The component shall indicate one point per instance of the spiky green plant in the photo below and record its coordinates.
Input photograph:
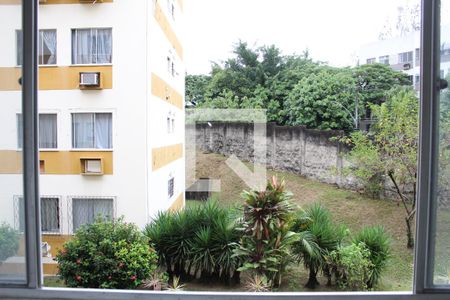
(265, 246)
(318, 236)
(377, 242)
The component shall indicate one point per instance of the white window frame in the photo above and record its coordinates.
(405, 55)
(384, 59)
(73, 30)
(40, 47)
(371, 60)
(171, 178)
(18, 198)
(70, 207)
(72, 148)
(40, 113)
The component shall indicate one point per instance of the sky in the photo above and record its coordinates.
(331, 30)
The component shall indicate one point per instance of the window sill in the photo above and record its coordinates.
(91, 150)
(91, 65)
(49, 150)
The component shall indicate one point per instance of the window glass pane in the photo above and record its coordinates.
(442, 197)
(83, 130)
(103, 131)
(12, 239)
(47, 131)
(91, 46)
(86, 211)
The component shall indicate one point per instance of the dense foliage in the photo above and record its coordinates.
(352, 266)
(318, 237)
(265, 245)
(107, 254)
(388, 152)
(9, 242)
(377, 242)
(293, 89)
(197, 242)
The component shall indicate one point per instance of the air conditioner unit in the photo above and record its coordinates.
(406, 66)
(90, 79)
(91, 166)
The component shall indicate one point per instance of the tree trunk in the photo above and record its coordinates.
(312, 281)
(410, 243)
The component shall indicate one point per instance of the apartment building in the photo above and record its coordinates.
(111, 122)
(403, 54)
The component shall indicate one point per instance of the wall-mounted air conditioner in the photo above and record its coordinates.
(90, 80)
(91, 166)
(406, 66)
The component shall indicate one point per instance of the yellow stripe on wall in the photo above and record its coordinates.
(164, 91)
(168, 31)
(165, 155)
(55, 162)
(54, 78)
(17, 2)
(178, 204)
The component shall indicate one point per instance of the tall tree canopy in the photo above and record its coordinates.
(293, 89)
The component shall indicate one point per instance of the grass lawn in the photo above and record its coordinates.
(347, 207)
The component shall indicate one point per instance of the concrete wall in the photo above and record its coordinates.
(295, 149)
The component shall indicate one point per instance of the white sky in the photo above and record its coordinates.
(332, 30)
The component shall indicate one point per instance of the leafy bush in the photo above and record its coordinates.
(378, 243)
(107, 254)
(265, 246)
(9, 242)
(197, 242)
(318, 237)
(352, 266)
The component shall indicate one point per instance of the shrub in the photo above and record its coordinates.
(107, 254)
(197, 242)
(378, 243)
(9, 242)
(352, 266)
(265, 246)
(318, 236)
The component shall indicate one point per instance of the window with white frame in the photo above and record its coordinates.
(50, 214)
(87, 210)
(170, 122)
(171, 186)
(46, 47)
(92, 46)
(48, 135)
(384, 59)
(370, 61)
(92, 130)
(405, 57)
(171, 69)
(171, 8)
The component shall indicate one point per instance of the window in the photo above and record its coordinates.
(384, 59)
(46, 47)
(171, 64)
(417, 54)
(171, 8)
(371, 61)
(171, 123)
(171, 185)
(50, 216)
(48, 136)
(405, 57)
(92, 46)
(86, 210)
(92, 130)
(417, 80)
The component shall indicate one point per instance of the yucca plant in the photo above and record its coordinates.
(265, 246)
(257, 283)
(318, 236)
(377, 242)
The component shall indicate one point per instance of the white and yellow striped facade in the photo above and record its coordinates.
(140, 91)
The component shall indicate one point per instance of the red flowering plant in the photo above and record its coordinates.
(107, 254)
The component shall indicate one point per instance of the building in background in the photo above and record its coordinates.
(111, 105)
(403, 54)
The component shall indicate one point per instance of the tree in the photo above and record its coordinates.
(323, 100)
(373, 81)
(388, 152)
(196, 87)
